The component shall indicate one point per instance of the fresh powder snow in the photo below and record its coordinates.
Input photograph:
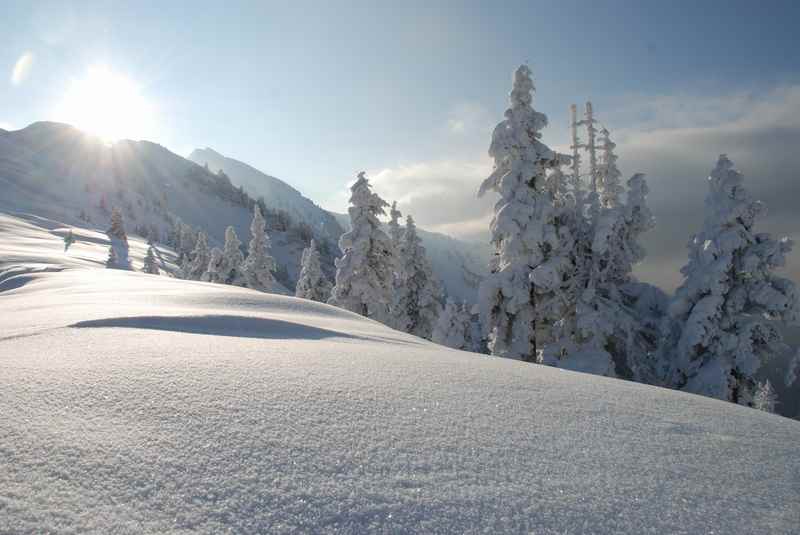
(134, 403)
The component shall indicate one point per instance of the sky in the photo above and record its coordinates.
(313, 92)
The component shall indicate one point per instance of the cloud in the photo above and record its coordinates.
(22, 68)
(759, 133)
(469, 119)
(440, 195)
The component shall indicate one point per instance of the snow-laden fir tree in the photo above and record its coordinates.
(721, 330)
(230, 269)
(187, 239)
(150, 264)
(765, 398)
(214, 269)
(520, 299)
(608, 175)
(395, 230)
(312, 284)
(453, 327)
(364, 272)
(119, 242)
(197, 263)
(117, 229)
(258, 266)
(415, 305)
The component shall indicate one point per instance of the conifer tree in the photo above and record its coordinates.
(150, 265)
(765, 397)
(415, 306)
(214, 268)
(312, 284)
(608, 175)
(395, 231)
(451, 329)
(117, 229)
(232, 259)
(364, 272)
(520, 298)
(258, 266)
(198, 263)
(720, 330)
(119, 242)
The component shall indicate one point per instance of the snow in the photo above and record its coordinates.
(140, 403)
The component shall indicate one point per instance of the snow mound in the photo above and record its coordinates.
(136, 403)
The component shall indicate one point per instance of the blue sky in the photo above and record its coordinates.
(313, 92)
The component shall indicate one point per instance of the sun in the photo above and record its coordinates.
(108, 105)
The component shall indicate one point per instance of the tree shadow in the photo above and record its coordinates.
(220, 325)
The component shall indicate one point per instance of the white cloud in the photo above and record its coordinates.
(22, 68)
(440, 195)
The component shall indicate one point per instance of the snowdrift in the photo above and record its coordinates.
(135, 403)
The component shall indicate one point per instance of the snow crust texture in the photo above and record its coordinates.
(134, 403)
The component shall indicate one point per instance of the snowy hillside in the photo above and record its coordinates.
(277, 194)
(137, 403)
(56, 171)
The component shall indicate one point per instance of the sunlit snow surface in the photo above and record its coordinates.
(131, 403)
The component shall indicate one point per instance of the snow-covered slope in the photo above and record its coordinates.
(134, 403)
(277, 194)
(56, 171)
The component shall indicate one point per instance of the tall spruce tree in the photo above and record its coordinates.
(150, 263)
(258, 266)
(415, 305)
(720, 332)
(520, 298)
(364, 272)
(312, 284)
(230, 269)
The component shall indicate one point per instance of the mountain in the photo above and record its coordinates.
(57, 171)
(460, 265)
(277, 194)
(135, 403)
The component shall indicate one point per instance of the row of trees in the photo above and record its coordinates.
(387, 278)
(561, 289)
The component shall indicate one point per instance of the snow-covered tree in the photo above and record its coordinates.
(258, 266)
(117, 229)
(417, 293)
(199, 257)
(720, 326)
(312, 284)
(765, 397)
(453, 327)
(150, 264)
(364, 272)
(608, 175)
(119, 242)
(230, 269)
(520, 299)
(214, 269)
(395, 230)
(187, 239)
